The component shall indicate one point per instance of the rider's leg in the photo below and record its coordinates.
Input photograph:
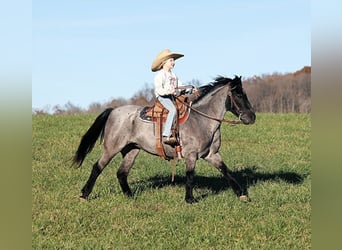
(168, 104)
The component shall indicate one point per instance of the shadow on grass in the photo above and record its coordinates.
(246, 177)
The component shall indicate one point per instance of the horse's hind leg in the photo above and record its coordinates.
(216, 160)
(96, 171)
(129, 153)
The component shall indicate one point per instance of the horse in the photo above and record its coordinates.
(122, 130)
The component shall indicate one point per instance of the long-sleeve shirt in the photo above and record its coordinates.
(165, 83)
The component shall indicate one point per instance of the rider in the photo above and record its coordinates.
(166, 87)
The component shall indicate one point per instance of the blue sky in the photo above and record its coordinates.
(92, 51)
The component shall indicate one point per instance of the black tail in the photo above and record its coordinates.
(89, 138)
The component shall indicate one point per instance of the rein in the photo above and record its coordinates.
(229, 121)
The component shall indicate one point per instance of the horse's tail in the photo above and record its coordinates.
(89, 138)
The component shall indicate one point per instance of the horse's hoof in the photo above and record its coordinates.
(191, 200)
(129, 194)
(82, 199)
(244, 198)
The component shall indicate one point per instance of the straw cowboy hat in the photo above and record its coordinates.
(162, 57)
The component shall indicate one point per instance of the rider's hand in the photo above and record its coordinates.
(195, 92)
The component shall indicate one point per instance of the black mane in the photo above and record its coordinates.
(218, 82)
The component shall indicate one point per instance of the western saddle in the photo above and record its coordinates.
(158, 114)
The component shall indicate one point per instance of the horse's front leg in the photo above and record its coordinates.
(217, 161)
(190, 174)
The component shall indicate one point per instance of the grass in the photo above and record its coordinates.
(271, 157)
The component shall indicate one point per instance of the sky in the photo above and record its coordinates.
(87, 51)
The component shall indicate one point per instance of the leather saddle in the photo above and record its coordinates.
(157, 111)
(157, 114)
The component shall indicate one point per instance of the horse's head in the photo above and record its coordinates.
(237, 102)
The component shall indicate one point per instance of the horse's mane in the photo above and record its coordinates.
(218, 82)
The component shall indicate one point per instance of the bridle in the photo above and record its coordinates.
(232, 102)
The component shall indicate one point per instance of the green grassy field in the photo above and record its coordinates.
(272, 157)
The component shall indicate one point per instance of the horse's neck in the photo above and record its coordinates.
(213, 104)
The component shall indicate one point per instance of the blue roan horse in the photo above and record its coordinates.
(124, 131)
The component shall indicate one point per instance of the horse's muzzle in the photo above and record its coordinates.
(247, 118)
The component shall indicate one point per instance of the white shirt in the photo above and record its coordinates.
(165, 83)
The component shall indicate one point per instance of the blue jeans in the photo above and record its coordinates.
(168, 104)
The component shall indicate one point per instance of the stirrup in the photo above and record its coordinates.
(169, 140)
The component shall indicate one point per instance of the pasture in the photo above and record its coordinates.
(272, 158)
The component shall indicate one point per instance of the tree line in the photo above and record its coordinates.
(275, 93)
(281, 93)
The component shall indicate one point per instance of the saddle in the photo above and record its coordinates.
(157, 114)
(157, 111)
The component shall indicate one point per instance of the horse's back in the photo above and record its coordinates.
(124, 115)
(127, 109)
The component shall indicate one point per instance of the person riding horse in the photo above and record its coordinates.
(123, 131)
(167, 85)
